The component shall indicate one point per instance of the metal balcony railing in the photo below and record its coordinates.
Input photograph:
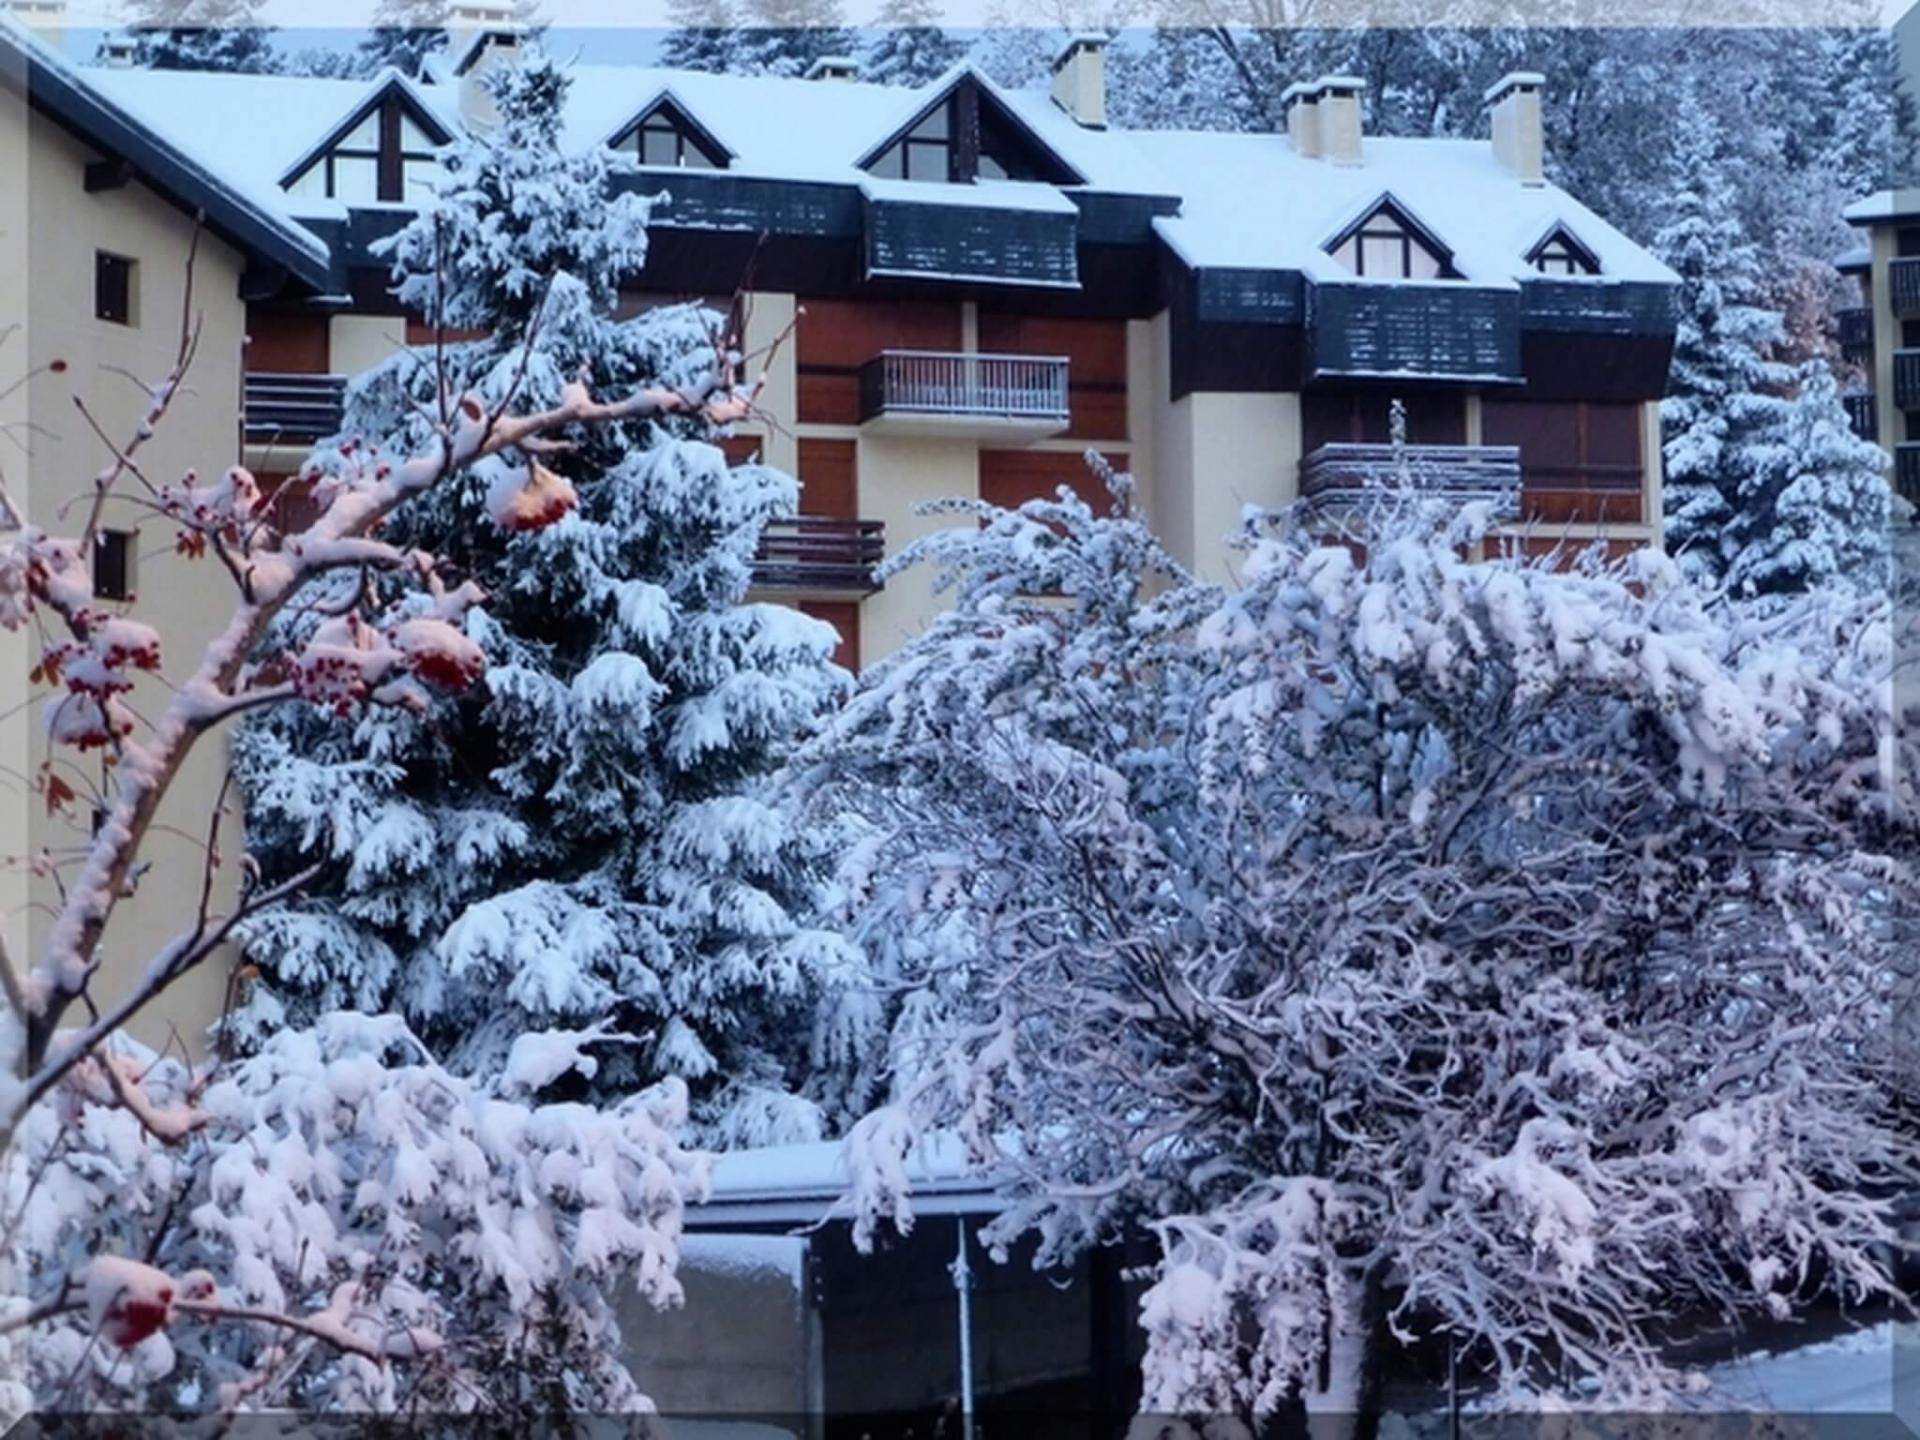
(1340, 469)
(1903, 286)
(952, 383)
(819, 552)
(293, 407)
(1856, 332)
(1906, 379)
(1863, 413)
(1906, 472)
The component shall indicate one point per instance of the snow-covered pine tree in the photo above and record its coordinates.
(703, 36)
(910, 47)
(588, 842)
(404, 33)
(785, 37)
(1722, 391)
(1814, 507)
(1417, 946)
(200, 35)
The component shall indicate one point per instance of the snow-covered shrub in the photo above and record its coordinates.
(579, 836)
(1499, 947)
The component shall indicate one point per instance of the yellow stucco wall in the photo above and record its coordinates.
(56, 229)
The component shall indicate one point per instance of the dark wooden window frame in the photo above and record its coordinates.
(113, 577)
(965, 146)
(1404, 228)
(389, 159)
(113, 282)
(1561, 253)
(668, 118)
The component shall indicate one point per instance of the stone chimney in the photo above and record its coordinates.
(1080, 79)
(117, 51)
(480, 37)
(1301, 103)
(843, 68)
(1519, 141)
(1339, 117)
(47, 19)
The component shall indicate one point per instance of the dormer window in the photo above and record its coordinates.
(1562, 254)
(1389, 244)
(965, 135)
(668, 136)
(924, 153)
(386, 154)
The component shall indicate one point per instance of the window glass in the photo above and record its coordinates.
(311, 181)
(112, 288)
(356, 179)
(659, 144)
(364, 136)
(419, 178)
(928, 162)
(113, 565)
(412, 137)
(1383, 254)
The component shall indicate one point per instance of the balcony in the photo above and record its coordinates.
(820, 555)
(1903, 286)
(292, 407)
(1906, 379)
(1856, 333)
(1863, 413)
(931, 392)
(1906, 472)
(1338, 472)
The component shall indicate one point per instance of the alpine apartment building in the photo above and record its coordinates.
(985, 284)
(1881, 335)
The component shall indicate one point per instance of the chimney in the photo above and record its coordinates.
(1339, 117)
(1518, 139)
(47, 19)
(480, 38)
(1302, 106)
(843, 68)
(1080, 79)
(117, 51)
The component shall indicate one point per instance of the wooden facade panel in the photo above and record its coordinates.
(834, 338)
(419, 332)
(288, 343)
(1570, 547)
(1096, 352)
(829, 479)
(1012, 477)
(1579, 460)
(739, 449)
(844, 616)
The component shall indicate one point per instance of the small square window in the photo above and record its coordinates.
(113, 288)
(113, 565)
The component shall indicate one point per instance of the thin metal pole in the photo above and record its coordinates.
(963, 1283)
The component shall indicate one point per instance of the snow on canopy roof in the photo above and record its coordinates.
(982, 194)
(1883, 205)
(1457, 189)
(804, 1183)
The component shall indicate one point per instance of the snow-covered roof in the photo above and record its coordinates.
(1244, 200)
(1457, 189)
(189, 168)
(803, 1184)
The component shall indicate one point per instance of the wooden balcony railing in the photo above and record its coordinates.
(820, 553)
(1903, 286)
(293, 407)
(952, 383)
(1863, 413)
(1856, 332)
(1337, 470)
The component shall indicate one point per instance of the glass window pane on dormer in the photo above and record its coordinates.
(365, 135)
(659, 144)
(412, 137)
(356, 179)
(310, 182)
(934, 127)
(419, 179)
(928, 162)
(1383, 255)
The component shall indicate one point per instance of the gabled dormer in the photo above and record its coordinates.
(384, 151)
(666, 134)
(1388, 243)
(1560, 252)
(967, 132)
